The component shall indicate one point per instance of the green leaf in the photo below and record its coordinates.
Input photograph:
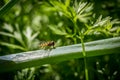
(8, 27)
(101, 22)
(60, 7)
(57, 31)
(13, 46)
(67, 3)
(7, 34)
(30, 38)
(18, 37)
(82, 11)
(28, 33)
(59, 54)
(34, 36)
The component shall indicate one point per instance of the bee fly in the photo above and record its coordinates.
(47, 44)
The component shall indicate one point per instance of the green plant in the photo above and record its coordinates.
(79, 14)
(75, 14)
(25, 74)
(64, 21)
(103, 26)
(21, 40)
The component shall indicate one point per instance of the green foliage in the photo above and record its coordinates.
(25, 74)
(7, 7)
(65, 22)
(25, 40)
(104, 26)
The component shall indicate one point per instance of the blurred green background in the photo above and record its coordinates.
(30, 21)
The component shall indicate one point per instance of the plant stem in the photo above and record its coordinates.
(83, 49)
(84, 54)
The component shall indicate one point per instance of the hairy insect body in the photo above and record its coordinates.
(47, 44)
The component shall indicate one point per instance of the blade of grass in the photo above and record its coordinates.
(40, 57)
(7, 7)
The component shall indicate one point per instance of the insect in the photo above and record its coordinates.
(47, 44)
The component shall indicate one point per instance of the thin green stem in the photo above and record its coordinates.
(85, 59)
(82, 42)
(84, 53)
(83, 46)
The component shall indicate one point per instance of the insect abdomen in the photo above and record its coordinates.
(50, 43)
